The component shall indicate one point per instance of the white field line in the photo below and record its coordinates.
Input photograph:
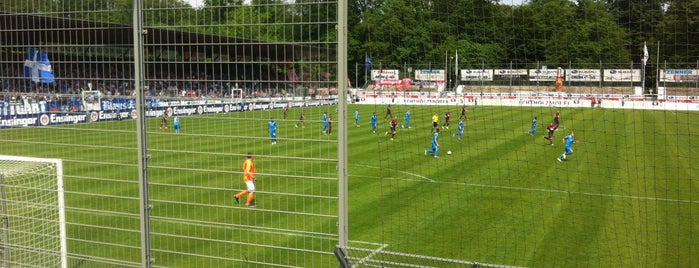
(423, 178)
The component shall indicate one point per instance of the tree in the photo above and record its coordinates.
(681, 35)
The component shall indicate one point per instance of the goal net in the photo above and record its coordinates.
(33, 216)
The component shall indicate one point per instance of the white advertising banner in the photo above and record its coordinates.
(679, 75)
(583, 75)
(385, 75)
(543, 74)
(622, 75)
(510, 72)
(476, 75)
(430, 75)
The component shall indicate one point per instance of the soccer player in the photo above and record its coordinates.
(394, 124)
(550, 129)
(163, 121)
(176, 124)
(435, 144)
(557, 120)
(389, 114)
(569, 140)
(356, 118)
(286, 112)
(460, 131)
(374, 123)
(407, 120)
(272, 126)
(325, 122)
(463, 112)
(533, 129)
(435, 122)
(249, 172)
(329, 130)
(447, 119)
(302, 119)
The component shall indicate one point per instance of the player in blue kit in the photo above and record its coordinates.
(356, 118)
(374, 124)
(460, 131)
(176, 124)
(407, 120)
(272, 125)
(435, 144)
(325, 123)
(569, 140)
(533, 129)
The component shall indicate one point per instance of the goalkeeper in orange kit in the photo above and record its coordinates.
(249, 179)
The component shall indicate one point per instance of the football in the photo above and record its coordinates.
(448, 152)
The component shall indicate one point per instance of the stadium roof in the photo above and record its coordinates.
(23, 30)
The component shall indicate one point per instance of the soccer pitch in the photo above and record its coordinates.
(627, 197)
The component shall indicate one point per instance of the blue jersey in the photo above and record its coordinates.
(534, 124)
(325, 119)
(569, 140)
(407, 116)
(435, 136)
(461, 127)
(176, 121)
(272, 128)
(373, 120)
(356, 117)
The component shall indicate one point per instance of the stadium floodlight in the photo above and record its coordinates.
(33, 212)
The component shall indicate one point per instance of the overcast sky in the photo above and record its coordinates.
(198, 3)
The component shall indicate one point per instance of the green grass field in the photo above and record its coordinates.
(627, 197)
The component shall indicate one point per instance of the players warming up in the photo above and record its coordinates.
(272, 126)
(550, 129)
(249, 177)
(407, 120)
(435, 122)
(176, 124)
(302, 119)
(569, 140)
(447, 119)
(460, 131)
(356, 118)
(374, 122)
(435, 144)
(163, 121)
(394, 124)
(533, 129)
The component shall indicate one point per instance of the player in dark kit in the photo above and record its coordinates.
(463, 113)
(550, 129)
(389, 113)
(447, 119)
(394, 124)
(163, 121)
(556, 120)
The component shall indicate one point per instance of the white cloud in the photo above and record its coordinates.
(195, 3)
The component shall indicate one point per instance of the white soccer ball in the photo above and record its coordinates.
(448, 152)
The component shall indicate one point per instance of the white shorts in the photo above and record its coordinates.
(251, 186)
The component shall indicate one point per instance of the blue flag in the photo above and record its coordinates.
(367, 62)
(37, 67)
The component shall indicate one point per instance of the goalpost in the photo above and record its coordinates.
(33, 213)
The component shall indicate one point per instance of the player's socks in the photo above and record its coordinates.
(251, 196)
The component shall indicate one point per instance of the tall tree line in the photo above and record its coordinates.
(398, 32)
